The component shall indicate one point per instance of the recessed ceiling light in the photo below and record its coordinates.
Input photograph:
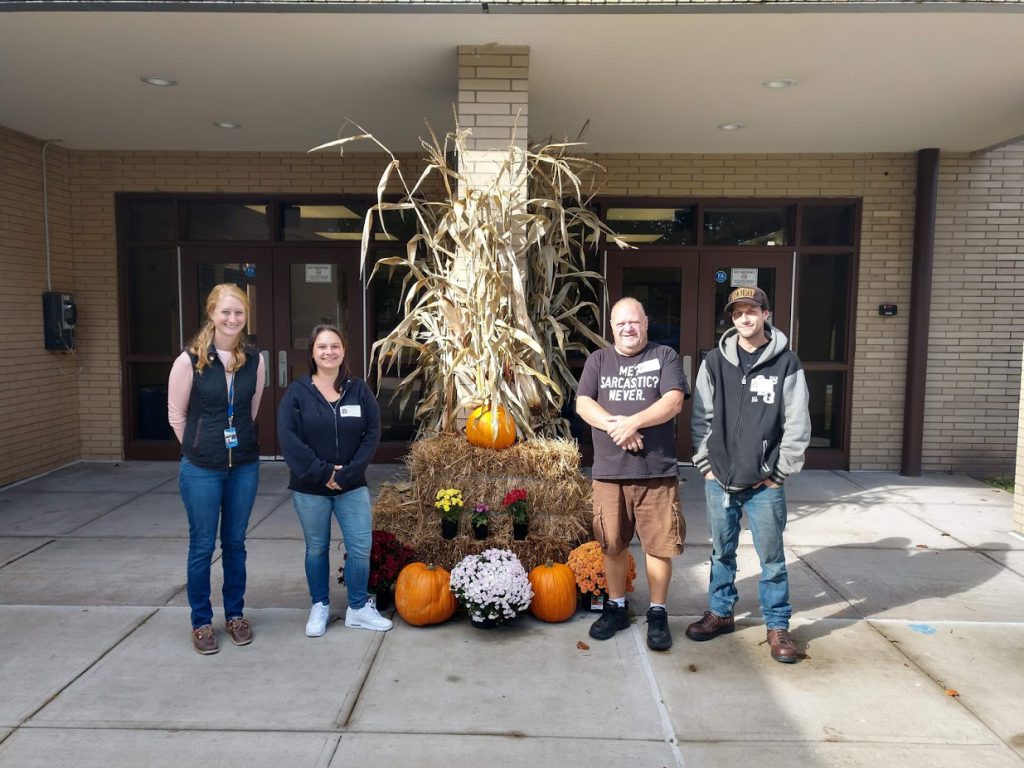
(225, 124)
(160, 82)
(731, 126)
(780, 82)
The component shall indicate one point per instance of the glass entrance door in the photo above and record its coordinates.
(290, 292)
(666, 284)
(720, 273)
(313, 286)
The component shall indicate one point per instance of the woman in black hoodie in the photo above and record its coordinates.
(329, 427)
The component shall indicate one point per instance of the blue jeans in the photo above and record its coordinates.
(352, 509)
(766, 513)
(217, 498)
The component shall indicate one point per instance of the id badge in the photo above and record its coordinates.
(230, 437)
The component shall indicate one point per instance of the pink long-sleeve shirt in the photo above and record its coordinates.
(179, 389)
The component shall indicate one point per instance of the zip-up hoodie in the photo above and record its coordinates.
(749, 427)
(315, 435)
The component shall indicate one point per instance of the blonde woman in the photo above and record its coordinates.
(213, 395)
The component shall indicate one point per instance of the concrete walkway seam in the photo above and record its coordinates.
(666, 722)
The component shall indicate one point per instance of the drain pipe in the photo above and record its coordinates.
(46, 214)
(920, 310)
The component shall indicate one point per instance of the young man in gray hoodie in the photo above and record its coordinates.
(751, 426)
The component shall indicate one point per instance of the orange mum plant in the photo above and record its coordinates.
(587, 564)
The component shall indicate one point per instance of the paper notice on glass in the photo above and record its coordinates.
(744, 277)
(319, 273)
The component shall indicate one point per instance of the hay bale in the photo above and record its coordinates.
(548, 470)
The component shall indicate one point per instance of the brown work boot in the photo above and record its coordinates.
(783, 648)
(240, 631)
(204, 640)
(712, 625)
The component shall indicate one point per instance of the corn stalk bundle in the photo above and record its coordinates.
(495, 291)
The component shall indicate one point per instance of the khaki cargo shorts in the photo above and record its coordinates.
(649, 508)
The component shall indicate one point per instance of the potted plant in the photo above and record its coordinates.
(587, 564)
(492, 586)
(479, 519)
(388, 556)
(515, 504)
(449, 502)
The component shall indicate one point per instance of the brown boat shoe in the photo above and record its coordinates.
(204, 640)
(240, 631)
(782, 646)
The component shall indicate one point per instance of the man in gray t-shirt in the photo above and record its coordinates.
(630, 394)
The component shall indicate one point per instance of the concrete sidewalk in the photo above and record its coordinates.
(902, 589)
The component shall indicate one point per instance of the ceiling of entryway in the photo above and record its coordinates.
(866, 82)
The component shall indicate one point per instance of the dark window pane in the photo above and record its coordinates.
(396, 422)
(148, 382)
(826, 395)
(150, 221)
(153, 322)
(822, 313)
(226, 221)
(827, 225)
(397, 225)
(746, 226)
(321, 223)
(653, 226)
(319, 294)
(660, 291)
(765, 281)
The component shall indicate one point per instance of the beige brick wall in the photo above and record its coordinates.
(39, 424)
(885, 182)
(974, 365)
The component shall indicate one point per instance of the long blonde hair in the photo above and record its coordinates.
(200, 343)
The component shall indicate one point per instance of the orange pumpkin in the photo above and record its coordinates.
(480, 432)
(422, 595)
(554, 592)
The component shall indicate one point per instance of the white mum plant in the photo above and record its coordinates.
(492, 585)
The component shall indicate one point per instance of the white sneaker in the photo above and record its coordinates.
(318, 616)
(366, 618)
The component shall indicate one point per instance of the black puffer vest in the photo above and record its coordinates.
(203, 443)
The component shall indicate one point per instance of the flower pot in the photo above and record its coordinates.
(480, 531)
(481, 623)
(592, 602)
(519, 531)
(449, 528)
(382, 599)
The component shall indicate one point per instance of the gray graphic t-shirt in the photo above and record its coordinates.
(627, 385)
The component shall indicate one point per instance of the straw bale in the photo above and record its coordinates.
(558, 498)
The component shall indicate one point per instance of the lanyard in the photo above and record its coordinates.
(231, 400)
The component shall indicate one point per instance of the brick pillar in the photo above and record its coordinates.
(493, 93)
(1018, 483)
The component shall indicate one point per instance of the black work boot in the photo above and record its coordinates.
(611, 620)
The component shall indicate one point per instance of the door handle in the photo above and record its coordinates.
(688, 371)
(282, 368)
(265, 354)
